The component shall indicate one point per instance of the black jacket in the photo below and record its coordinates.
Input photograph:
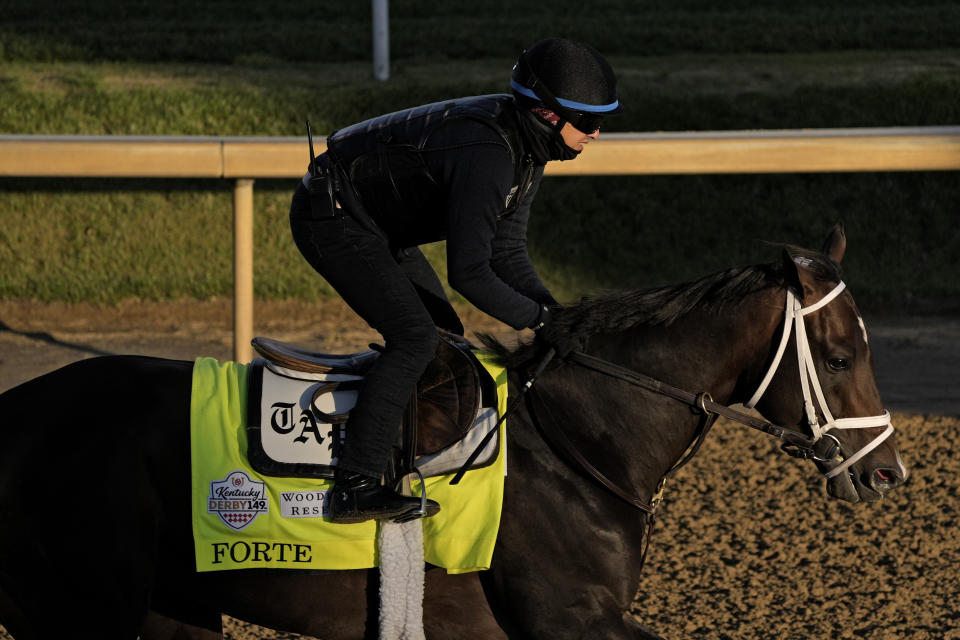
(457, 170)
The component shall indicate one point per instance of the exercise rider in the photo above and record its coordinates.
(466, 171)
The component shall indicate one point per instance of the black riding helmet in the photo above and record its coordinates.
(570, 78)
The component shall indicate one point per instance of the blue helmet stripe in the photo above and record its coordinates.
(570, 104)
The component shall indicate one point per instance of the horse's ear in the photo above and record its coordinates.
(791, 273)
(836, 243)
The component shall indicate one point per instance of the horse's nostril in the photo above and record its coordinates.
(882, 480)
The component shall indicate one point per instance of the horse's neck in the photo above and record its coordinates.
(723, 352)
(699, 352)
(702, 351)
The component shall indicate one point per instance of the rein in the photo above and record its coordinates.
(794, 443)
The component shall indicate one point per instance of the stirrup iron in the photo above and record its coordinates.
(422, 511)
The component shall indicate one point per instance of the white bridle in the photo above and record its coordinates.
(808, 374)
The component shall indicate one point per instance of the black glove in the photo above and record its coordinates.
(550, 334)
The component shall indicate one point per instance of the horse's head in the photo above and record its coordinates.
(822, 378)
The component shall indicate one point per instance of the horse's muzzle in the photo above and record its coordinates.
(869, 486)
(883, 480)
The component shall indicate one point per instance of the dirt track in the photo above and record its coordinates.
(747, 546)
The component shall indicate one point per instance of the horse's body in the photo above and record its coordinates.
(83, 553)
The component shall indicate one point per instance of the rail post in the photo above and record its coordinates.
(242, 269)
(381, 39)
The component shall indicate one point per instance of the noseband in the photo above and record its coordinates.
(794, 315)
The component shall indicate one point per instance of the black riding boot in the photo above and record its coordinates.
(357, 498)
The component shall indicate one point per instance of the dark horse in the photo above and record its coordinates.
(95, 526)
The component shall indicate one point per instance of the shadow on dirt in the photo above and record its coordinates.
(43, 336)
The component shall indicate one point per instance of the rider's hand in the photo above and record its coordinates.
(549, 334)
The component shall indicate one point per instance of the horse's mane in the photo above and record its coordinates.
(661, 306)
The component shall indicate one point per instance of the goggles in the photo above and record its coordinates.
(586, 123)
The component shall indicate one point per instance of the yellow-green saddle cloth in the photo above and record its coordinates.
(243, 520)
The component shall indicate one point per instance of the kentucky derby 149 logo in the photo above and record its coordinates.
(237, 499)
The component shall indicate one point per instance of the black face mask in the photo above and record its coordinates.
(545, 140)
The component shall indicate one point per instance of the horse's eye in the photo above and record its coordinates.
(838, 364)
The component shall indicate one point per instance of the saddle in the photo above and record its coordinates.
(299, 407)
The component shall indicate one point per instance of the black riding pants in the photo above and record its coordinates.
(395, 292)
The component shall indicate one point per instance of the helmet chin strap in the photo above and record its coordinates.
(809, 379)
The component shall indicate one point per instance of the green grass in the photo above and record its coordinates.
(251, 69)
(114, 240)
(107, 240)
(660, 94)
